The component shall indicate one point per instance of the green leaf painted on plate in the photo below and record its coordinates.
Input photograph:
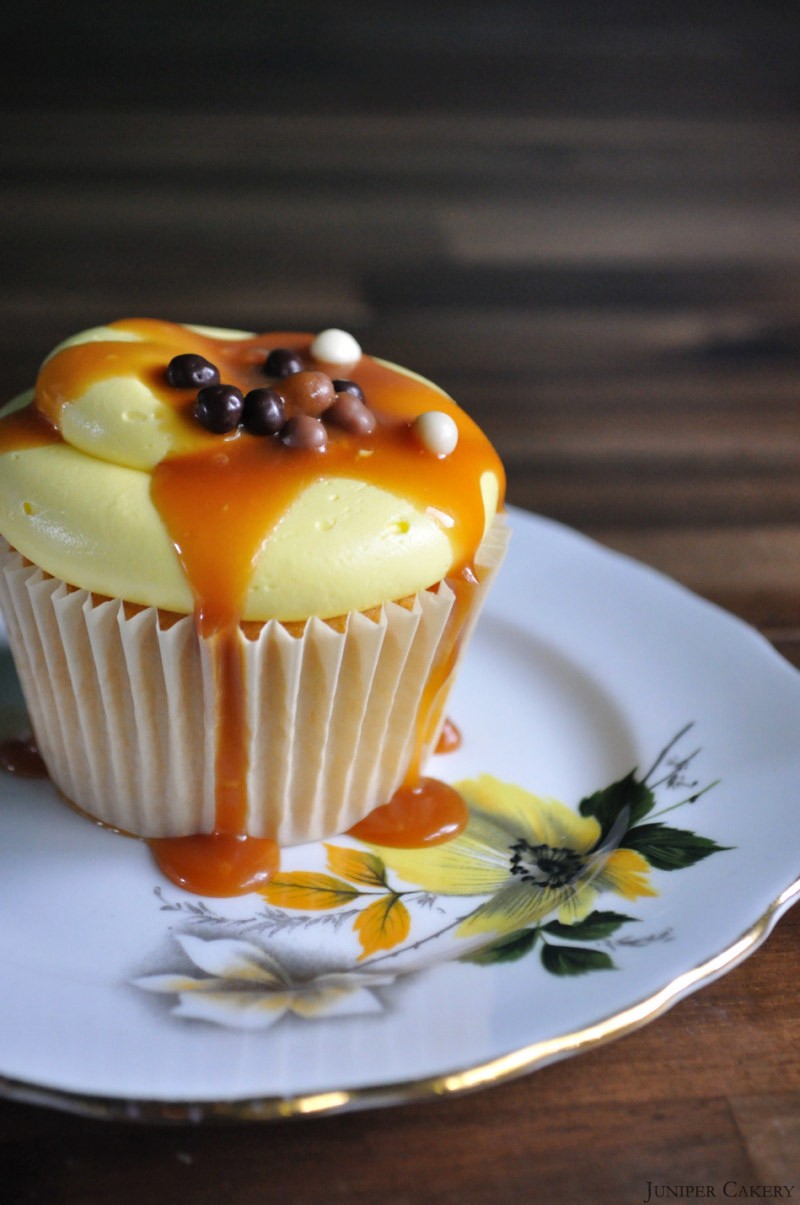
(607, 805)
(574, 960)
(508, 949)
(594, 927)
(669, 848)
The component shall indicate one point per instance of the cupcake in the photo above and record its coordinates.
(238, 574)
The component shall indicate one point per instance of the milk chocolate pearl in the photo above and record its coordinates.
(219, 408)
(191, 372)
(307, 392)
(350, 413)
(282, 362)
(264, 412)
(344, 386)
(303, 431)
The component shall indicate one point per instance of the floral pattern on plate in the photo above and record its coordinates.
(532, 869)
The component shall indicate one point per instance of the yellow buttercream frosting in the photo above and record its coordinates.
(81, 505)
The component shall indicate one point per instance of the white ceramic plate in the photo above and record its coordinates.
(369, 977)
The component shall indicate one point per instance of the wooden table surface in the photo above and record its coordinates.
(583, 221)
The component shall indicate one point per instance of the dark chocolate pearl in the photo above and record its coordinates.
(282, 362)
(191, 372)
(303, 431)
(344, 386)
(264, 412)
(350, 413)
(308, 392)
(219, 408)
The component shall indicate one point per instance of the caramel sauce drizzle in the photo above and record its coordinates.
(450, 738)
(20, 756)
(220, 500)
(24, 429)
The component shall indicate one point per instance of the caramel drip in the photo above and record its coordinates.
(219, 864)
(440, 678)
(428, 812)
(25, 429)
(220, 499)
(20, 756)
(450, 738)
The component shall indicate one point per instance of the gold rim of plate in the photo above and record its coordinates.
(468, 1079)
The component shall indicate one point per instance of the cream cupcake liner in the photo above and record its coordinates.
(122, 703)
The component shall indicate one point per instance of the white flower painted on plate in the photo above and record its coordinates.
(244, 987)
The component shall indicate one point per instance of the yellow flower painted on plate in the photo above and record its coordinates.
(531, 856)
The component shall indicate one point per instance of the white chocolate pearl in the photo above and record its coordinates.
(335, 347)
(436, 431)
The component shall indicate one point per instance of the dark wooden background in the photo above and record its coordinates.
(583, 220)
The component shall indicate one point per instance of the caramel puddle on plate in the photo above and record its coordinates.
(20, 756)
(426, 813)
(217, 864)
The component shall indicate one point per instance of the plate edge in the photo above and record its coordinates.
(498, 1070)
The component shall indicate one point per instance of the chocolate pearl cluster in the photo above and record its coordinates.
(298, 406)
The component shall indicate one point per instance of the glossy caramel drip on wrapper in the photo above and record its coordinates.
(123, 706)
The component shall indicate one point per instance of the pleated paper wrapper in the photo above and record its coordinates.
(122, 702)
